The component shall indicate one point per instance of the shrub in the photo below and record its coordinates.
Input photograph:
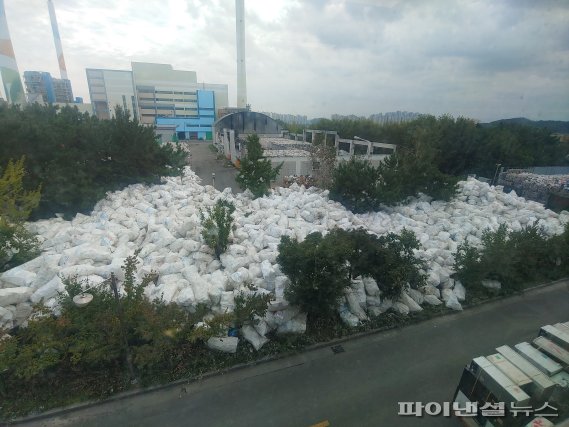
(361, 187)
(90, 339)
(388, 259)
(250, 306)
(406, 174)
(317, 273)
(17, 244)
(256, 172)
(217, 225)
(320, 268)
(355, 184)
(515, 258)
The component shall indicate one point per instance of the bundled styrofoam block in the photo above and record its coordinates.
(452, 302)
(22, 313)
(240, 276)
(282, 316)
(296, 325)
(223, 344)
(357, 287)
(432, 299)
(47, 291)
(199, 286)
(371, 287)
(252, 336)
(491, 284)
(431, 290)
(400, 308)
(354, 305)
(373, 301)
(11, 296)
(409, 302)
(6, 318)
(16, 277)
(186, 297)
(261, 326)
(459, 290)
(219, 277)
(386, 304)
(415, 295)
(227, 302)
(348, 317)
(214, 291)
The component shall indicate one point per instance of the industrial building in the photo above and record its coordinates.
(157, 94)
(109, 89)
(43, 88)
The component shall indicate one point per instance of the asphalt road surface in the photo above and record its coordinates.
(359, 387)
(203, 162)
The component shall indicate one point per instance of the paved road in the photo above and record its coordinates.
(204, 162)
(360, 387)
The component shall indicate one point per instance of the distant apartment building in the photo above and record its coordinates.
(159, 95)
(288, 118)
(43, 88)
(381, 118)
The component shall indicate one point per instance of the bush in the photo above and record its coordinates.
(321, 268)
(355, 184)
(17, 244)
(515, 259)
(256, 172)
(217, 225)
(77, 158)
(317, 272)
(91, 339)
(388, 259)
(361, 187)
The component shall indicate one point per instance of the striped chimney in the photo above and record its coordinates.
(57, 40)
(241, 71)
(8, 67)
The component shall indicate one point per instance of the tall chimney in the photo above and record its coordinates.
(241, 71)
(8, 66)
(57, 40)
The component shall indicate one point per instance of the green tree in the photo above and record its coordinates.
(317, 272)
(256, 172)
(17, 244)
(355, 184)
(217, 225)
(77, 158)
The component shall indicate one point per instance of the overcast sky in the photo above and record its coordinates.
(481, 59)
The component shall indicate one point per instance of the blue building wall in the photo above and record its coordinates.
(48, 84)
(200, 127)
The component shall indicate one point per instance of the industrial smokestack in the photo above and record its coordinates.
(8, 66)
(241, 71)
(57, 40)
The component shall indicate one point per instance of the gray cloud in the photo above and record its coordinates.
(481, 59)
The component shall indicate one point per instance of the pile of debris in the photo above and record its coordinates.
(533, 186)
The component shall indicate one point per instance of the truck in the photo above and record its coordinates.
(519, 386)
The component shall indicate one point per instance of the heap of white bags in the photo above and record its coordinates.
(163, 221)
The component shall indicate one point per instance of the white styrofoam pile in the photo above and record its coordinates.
(163, 220)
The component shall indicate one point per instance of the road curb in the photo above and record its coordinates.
(267, 359)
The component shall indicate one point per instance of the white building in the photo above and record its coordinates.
(111, 88)
(165, 92)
